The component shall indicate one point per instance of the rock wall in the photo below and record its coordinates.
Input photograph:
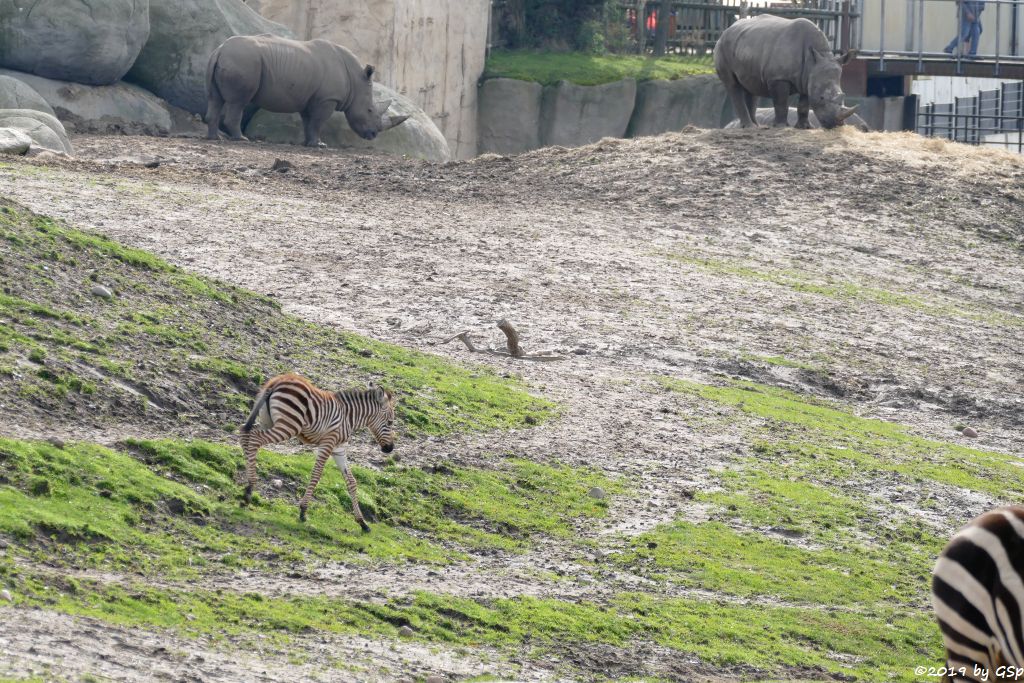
(431, 51)
(517, 116)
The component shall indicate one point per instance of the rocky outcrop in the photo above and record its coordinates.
(14, 141)
(508, 118)
(17, 95)
(182, 35)
(417, 138)
(118, 108)
(665, 106)
(574, 115)
(92, 42)
(46, 131)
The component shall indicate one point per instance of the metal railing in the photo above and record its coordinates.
(919, 29)
(695, 25)
(992, 117)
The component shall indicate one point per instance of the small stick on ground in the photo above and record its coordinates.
(514, 349)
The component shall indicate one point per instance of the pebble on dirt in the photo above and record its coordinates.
(969, 432)
(434, 679)
(406, 632)
(597, 492)
(101, 291)
(55, 441)
(6, 595)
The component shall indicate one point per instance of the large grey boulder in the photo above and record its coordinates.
(17, 95)
(45, 130)
(183, 33)
(92, 42)
(574, 115)
(417, 138)
(118, 108)
(765, 116)
(666, 106)
(508, 116)
(14, 141)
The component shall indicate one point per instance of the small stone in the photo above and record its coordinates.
(970, 432)
(597, 492)
(406, 632)
(101, 291)
(277, 483)
(56, 442)
(281, 166)
(6, 595)
(434, 679)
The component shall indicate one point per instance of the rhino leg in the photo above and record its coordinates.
(803, 108)
(313, 120)
(780, 98)
(742, 102)
(233, 120)
(213, 110)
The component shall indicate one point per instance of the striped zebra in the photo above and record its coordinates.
(289, 405)
(978, 595)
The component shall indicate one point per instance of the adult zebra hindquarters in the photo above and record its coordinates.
(978, 596)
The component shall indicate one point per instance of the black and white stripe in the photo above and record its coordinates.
(290, 406)
(978, 595)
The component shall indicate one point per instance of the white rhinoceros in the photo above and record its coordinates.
(315, 78)
(769, 56)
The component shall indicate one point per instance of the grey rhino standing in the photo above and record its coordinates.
(315, 78)
(768, 56)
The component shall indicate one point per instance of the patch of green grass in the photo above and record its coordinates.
(174, 507)
(882, 646)
(781, 361)
(547, 68)
(216, 341)
(713, 556)
(806, 283)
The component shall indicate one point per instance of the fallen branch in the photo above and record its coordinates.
(512, 343)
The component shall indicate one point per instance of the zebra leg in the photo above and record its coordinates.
(342, 462)
(253, 441)
(323, 452)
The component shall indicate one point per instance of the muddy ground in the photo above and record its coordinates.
(688, 255)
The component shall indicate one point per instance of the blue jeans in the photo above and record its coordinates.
(968, 29)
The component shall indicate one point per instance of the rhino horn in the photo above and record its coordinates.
(384, 106)
(846, 113)
(388, 121)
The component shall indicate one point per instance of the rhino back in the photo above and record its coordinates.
(765, 49)
(292, 73)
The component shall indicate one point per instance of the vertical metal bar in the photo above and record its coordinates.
(959, 38)
(881, 39)
(920, 36)
(999, 12)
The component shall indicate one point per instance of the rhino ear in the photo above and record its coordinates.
(369, 71)
(847, 58)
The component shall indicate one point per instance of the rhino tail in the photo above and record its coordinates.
(212, 91)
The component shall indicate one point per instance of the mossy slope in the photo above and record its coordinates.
(173, 351)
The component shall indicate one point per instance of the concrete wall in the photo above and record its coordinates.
(431, 51)
(516, 116)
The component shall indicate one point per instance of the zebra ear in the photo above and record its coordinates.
(379, 394)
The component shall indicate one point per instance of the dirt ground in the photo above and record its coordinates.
(686, 255)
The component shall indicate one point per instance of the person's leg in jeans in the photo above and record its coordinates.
(962, 34)
(975, 32)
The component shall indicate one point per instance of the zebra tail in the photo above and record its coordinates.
(261, 400)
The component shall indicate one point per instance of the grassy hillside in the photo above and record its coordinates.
(170, 352)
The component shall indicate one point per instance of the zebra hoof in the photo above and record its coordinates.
(247, 496)
(302, 514)
(364, 526)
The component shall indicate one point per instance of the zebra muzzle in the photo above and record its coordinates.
(387, 447)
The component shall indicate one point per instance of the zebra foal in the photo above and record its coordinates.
(290, 406)
(978, 596)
